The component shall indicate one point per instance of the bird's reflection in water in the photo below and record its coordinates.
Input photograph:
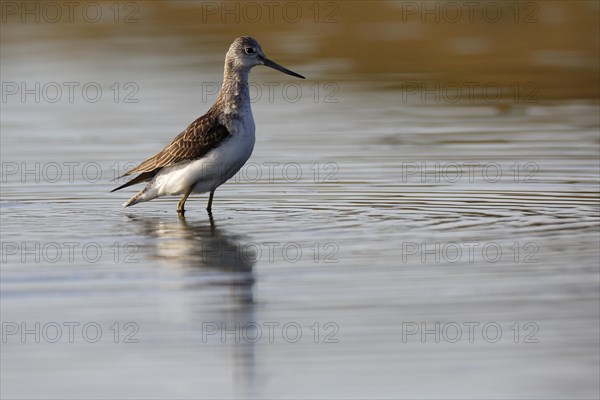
(202, 247)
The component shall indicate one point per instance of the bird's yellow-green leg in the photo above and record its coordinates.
(210, 199)
(180, 208)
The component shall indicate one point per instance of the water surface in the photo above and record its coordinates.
(363, 219)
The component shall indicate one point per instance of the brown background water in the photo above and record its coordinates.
(379, 194)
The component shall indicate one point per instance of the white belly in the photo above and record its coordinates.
(209, 172)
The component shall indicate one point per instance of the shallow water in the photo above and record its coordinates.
(372, 247)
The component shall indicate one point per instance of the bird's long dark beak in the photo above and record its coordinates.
(278, 67)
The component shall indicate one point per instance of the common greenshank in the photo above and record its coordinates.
(215, 146)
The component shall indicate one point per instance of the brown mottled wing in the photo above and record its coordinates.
(198, 139)
(203, 135)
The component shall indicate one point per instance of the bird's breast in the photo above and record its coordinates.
(239, 121)
(237, 149)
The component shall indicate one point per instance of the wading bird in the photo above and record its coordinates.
(215, 146)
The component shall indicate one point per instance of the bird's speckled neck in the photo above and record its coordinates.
(234, 97)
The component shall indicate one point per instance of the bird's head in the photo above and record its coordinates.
(245, 53)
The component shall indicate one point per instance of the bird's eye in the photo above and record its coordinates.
(249, 50)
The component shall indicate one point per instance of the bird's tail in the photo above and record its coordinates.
(135, 199)
(143, 177)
